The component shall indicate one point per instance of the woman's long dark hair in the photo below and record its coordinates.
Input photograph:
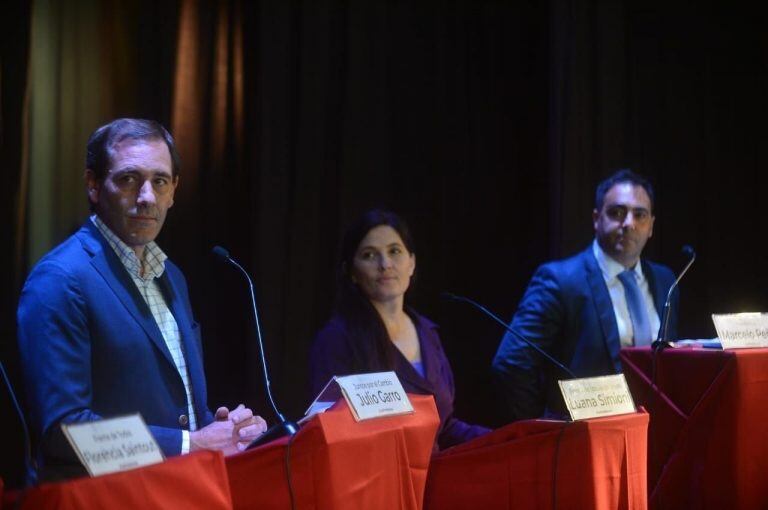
(371, 344)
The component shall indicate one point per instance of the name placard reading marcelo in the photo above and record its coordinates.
(742, 330)
(594, 397)
(114, 444)
(374, 395)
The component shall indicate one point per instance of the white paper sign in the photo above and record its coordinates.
(328, 396)
(742, 330)
(594, 397)
(374, 395)
(114, 444)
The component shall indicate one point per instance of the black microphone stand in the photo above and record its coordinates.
(496, 318)
(30, 473)
(662, 340)
(283, 427)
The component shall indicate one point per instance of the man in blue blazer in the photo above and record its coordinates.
(105, 322)
(580, 310)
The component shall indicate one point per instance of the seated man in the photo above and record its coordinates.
(105, 326)
(583, 309)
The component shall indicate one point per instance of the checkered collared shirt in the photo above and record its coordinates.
(154, 266)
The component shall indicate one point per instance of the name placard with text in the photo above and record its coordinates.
(374, 395)
(595, 397)
(742, 330)
(114, 444)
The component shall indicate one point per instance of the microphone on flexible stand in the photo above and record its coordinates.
(662, 341)
(30, 474)
(454, 297)
(284, 427)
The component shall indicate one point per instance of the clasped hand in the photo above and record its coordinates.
(231, 432)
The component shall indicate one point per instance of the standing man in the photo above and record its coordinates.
(584, 309)
(105, 322)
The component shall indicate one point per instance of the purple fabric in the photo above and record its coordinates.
(332, 354)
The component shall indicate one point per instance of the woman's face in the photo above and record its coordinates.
(382, 266)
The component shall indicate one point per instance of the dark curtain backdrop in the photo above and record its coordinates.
(485, 123)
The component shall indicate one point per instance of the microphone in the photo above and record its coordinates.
(284, 427)
(454, 297)
(662, 340)
(30, 474)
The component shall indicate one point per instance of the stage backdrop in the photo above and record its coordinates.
(486, 124)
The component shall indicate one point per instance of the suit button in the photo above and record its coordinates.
(183, 420)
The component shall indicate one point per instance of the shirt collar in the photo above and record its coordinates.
(609, 267)
(154, 258)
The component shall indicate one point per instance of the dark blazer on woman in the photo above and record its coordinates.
(333, 354)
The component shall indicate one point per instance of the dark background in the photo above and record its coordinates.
(486, 124)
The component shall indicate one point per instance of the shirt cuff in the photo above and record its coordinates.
(184, 442)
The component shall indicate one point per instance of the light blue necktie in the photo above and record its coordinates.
(641, 325)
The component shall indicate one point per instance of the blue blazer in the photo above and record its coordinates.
(567, 311)
(333, 353)
(90, 347)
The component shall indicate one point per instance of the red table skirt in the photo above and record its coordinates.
(197, 480)
(338, 464)
(593, 464)
(708, 438)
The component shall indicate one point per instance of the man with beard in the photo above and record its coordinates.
(105, 322)
(584, 309)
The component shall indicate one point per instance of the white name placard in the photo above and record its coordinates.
(374, 395)
(594, 397)
(742, 330)
(114, 444)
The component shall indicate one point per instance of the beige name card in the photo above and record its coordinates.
(596, 397)
(374, 395)
(114, 444)
(742, 330)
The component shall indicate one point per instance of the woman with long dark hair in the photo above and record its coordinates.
(372, 330)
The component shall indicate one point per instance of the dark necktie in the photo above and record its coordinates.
(641, 325)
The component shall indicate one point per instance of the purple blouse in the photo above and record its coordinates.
(332, 354)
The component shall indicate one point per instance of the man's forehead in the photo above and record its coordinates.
(627, 194)
(139, 145)
(133, 153)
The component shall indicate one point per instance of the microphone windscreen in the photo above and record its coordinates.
(688, 251)
(220, 252)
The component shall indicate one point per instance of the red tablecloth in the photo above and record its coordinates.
(708, 437)
(337, 463)
(601, 464)
(198, 480)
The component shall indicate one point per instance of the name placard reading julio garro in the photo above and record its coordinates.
(374, 395)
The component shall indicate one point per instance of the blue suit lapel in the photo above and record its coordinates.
(192, 356)
(105, 261)
(604, 307)
(658, 293)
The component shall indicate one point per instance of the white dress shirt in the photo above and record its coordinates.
(610, 269)
(146, 282)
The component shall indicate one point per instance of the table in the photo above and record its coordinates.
(708, 438)
(197, 480)
(600, 464)
(337, 463)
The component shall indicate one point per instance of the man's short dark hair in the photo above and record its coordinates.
(625, 175)
(101, 144)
